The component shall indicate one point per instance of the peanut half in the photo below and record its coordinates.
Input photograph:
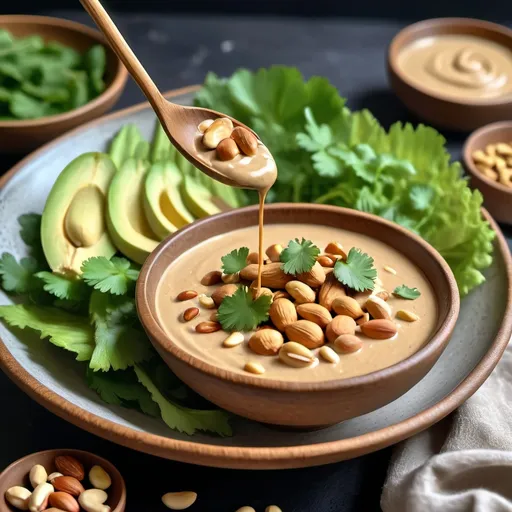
(255, 368)
(37, 475)
(99, 478)
(233, 340)
(18, 497)
(408, 316)
(296, 355)
(39, 498)
(92, 500)
(179, 500)
(328, 354)
(219, 130)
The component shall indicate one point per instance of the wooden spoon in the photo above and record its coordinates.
(179, 122)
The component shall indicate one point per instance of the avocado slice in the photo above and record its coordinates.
(199, 200)
(126, 220)
(163, 205)
(73, 223)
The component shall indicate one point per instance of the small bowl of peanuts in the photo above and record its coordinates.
(62, 481)
(487, 157)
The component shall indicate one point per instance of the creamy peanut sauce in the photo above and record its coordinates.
(186, 272)
(458, 66)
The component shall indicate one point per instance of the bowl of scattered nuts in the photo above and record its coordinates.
(62, 480)
(487, 157)
(344, 313)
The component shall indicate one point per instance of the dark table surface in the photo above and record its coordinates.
(179, 51)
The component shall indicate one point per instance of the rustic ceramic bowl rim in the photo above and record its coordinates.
(120, 76)
(148, 316)
(398, 43)
(468, 161)
(77, 453)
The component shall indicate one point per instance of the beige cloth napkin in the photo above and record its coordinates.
(463, 464)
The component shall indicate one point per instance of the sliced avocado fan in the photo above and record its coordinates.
(73, 223)
(126, 220)
(199, 200)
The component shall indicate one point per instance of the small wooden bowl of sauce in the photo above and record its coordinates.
(455, 73)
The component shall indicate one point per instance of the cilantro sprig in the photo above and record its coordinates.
(299, 257)
(357, 272)
(235, 261)
(405, 292)
(109, 276)
(240, 312)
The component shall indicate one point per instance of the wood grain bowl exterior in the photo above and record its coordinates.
(17, 474)
(299, 404)
(460, 115)
(24, 135)
(497, 197)
(258, 457)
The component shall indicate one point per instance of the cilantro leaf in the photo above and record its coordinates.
(109, 276)
(17, 277)
(235, 261)
(406, 293)
(357, 272)
(299, 257)
(184, 419)
(240, 312)
(63, 287)
(71, 332)
(122, 388)
(30, 233)
(118, 343)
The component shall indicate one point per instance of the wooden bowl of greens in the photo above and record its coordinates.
(55, 74)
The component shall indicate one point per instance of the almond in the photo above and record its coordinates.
(378, 308)
(68, 484)
(330, 290)
(190, 313)
(69, 466)
(266, 342)
(363, 319)
(301, 292)
(208, 327)
(253, 258)
(226, 290)
(186, 295)
(339, 325)
(227, 150)
(64, 502)
(211, 278)
(256, 294)
(274, 252)
(325, 261)
(314, 277)
(347, 343)
(282, 313)
(296, 355)
(220, 129)
(245, 140)
(281, 294)
(336, 248)
(272, 275)
(315, 313)
(306, 333)
(379, 329)
(347, 306)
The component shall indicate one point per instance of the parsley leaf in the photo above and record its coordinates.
(184, 419)
(109, 276)
(235, 261)
(299, 257)
(406, 293)
(240, 312)
(119, 344)
(122, 388)
(71, 332)
(357, 272)
(63, 287)
(17, 277)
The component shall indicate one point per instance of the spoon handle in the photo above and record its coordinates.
(124, 52)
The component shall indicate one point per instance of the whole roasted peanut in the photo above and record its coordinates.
(347, 306)
(39, 498)
(347, 343)
(190, 313)
(186, 295)
(92, 500)
(99, 478)
(68, 484)
(69, 466)
(300, 291)
(18, 497)
(223, 291)
(219, 130)
(245, 140)
(282, 313)
(63, 501)
(37, 475)
(296, 355)
(208, 327)
(227, 149)
(329, 291)
(339, 325)
(274, 252)
(211, 278)
(314, 277)
(379, 329)
(266, 342)
(315, 313)
(306, 333)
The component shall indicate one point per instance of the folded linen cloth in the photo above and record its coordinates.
(464, 463)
